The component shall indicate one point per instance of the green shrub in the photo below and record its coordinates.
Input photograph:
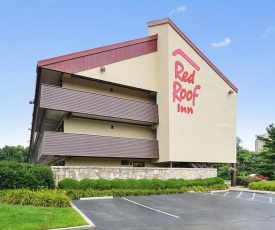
(132, 183)
(87, 184)
(22, 175)
(157, 184)
(239, 180)
(45, 198)
(263, 185)
(119, 184)
(103, 184)
(218, 187)
(247, 180)
(68, 183)
(145, 183)
(172, 183)
(182, 183)
(199, 182)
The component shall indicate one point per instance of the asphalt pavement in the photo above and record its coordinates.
(229, 209)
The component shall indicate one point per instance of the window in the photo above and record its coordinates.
(61, 163)
(124, 162)
(138, 164)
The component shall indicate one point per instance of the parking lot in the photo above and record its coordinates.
(216, 210)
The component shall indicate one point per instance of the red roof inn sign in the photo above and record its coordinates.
(185, 98)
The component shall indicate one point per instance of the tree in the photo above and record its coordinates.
(270, 141)
(266, 161)
(14, 153)
(238, 143)
(246, 162)
(245, 165)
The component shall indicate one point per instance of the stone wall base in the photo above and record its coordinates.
(97, 172)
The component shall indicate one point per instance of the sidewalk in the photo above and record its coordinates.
(244, 189)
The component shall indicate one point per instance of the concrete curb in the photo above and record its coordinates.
(226, 190)
(97, 198)
(84, 227)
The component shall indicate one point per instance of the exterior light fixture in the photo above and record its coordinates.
(31, 102)
(102, 69)
(230, 92)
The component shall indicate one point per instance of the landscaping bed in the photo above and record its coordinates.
(263, 185)
(50, 208)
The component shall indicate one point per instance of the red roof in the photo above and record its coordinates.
(89, 59)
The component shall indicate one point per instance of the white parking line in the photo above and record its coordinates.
(239, 194)
(225, 194)
(150, 208)
(254, 195)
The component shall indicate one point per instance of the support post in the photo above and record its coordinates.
(233, 175)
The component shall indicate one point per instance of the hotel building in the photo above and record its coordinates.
(156, 101)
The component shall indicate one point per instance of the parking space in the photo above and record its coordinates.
(217, 210)
(252, 196)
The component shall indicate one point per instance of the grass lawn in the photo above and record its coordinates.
(33, 218)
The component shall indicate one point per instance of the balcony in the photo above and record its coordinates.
(97, 105)
(57, 144)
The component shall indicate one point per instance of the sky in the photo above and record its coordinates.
(237, 36)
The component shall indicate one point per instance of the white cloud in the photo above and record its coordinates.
(223, 43)
(268, 31)
(180, 9)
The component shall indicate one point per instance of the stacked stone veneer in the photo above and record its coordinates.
(97, 172)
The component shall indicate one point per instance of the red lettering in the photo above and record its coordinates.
(179, 68)
(182, 94)
(189, 95)
(191, 78)
(190, 110)
(183, 75)
(195, 93)
(184, 109)
(177, 87)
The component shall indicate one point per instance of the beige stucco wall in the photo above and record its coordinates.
(163, 131)
(106, 89)
(139, 72)
(207, 135)
(103, 128)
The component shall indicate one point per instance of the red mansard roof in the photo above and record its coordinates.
(89, 59)
(167, 20)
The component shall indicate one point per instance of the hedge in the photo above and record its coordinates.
(14, 175)
(78, 193)
(245, 181)
(104, 184)
(263, 185)
(44, 198)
